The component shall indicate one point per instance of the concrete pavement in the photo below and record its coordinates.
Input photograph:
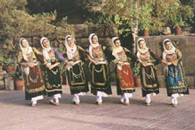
(16, 114)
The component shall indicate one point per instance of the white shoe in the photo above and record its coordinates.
(33, 104)
(172, 101)
(54, 102)
(122, 100)
(181, 95)
(34, 101)
(127, 101)
(148, 99)
(76, 99)
(76, 102)
(99, 100)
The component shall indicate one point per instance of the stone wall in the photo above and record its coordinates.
(104, 33)
(2, 86)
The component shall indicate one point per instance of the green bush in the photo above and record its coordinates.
(136, 69)
(10, 62)
(18, 75)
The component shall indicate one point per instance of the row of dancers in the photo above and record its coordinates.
(42, 73)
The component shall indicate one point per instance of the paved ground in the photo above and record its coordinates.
(16, 114)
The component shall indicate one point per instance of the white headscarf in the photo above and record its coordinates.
(26, 50)
(139, 49)
(91, 44)
(70, 51)
(45, 51)
(165, 52)
(116, 49)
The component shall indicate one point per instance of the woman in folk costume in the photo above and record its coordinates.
(100, 81)
(34, 82)
(125, 79)
(75, 67)
(175, 78)
(148, 60)
(52, 72)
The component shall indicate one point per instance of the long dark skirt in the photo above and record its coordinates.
(77, 79)
(149, 80)
(125, 80)
(52, 81)
(175, 80)
(100, 80)
(34, 84)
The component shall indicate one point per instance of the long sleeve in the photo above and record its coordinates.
(19, 58)
(108, 53)
(156, 57)
(60, 56)
(39, 55)
(83, 53)
(130, 55)
(179, 56)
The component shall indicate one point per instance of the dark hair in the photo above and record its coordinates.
(22, 40)
(44, 40)
(116, 40)
(167, 41)
(140, 41)
(93, 36)
(68, 37)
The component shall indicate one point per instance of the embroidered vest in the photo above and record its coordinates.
(97, 52)
(171, 57)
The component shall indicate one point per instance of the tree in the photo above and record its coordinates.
(15, 21)
(149, 14)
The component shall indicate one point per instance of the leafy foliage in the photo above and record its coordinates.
(18, 75)
(15, 21)
(136, 69)
(146, 14)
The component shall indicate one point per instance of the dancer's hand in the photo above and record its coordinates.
(120, 63)
(164, 62)
(144, 64)
(148, 64)
(96, 62)
(31, 65)
(169, 63)
(70, 63)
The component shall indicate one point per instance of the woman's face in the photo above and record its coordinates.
(117, 43)
(94, 39)
(46, 43)
(70, 42)
(168, 45)
(142, 45)
(24, 43)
